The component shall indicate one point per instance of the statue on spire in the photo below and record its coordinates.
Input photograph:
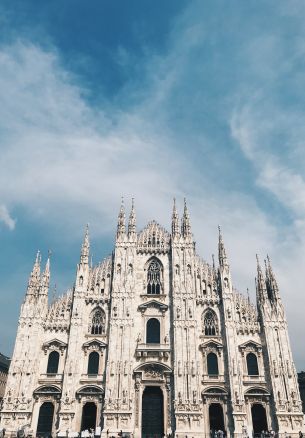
(84, 258)
(121, 220)
(186, 224)
(175, 221)
(132, 222)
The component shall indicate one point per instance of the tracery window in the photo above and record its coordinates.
(154, 278)
(210, 323)
(97, 324)
(252, 364)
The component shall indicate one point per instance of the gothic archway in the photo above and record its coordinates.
(259, 418)
(89, 416)
(45, 420)
(152, 412)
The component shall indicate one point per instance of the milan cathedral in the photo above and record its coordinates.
(151, 342)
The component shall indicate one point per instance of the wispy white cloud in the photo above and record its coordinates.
(63, 159)
(6, 218)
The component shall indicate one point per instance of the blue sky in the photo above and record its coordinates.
(153, 100)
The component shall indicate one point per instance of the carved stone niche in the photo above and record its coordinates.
(153, 304)
(250, 347)
(94, 345)
(211, 347)
(90, 393)
(54, 344)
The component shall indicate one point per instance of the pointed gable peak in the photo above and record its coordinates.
(154, 238)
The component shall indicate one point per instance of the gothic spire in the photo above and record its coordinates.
(186, 224)
(260, 278)
(260, 283)
(132, 222)
(84, 257)
(271, 283)
(34, 279)
(46, 275)
(121, 220)
(175, 221)
(222, 255)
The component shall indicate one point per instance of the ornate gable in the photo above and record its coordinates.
(250, 347)
(153, 304)
(94, 344)
(54, 344)
(211, 346)
(153, 239)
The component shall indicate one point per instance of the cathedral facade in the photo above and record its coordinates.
(152, 341)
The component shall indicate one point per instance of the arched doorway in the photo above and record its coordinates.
(89, 416)
(45, 419)
(259, 418)
(216, 417)
(152, 412)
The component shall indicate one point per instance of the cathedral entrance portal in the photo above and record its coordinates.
(89, 416)
(45, 419)
(152, 412)
(216, 417)
(259, 418)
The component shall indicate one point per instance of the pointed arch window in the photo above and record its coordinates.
(53, 361)
(97, 323)
(210, 323)
(154, 278)
(252, 365)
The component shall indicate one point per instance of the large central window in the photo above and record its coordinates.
(154, 278)
(153, 331)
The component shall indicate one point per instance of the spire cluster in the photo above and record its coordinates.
(266, 284)
(132, 222)
(185, 229)
(38, 283)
